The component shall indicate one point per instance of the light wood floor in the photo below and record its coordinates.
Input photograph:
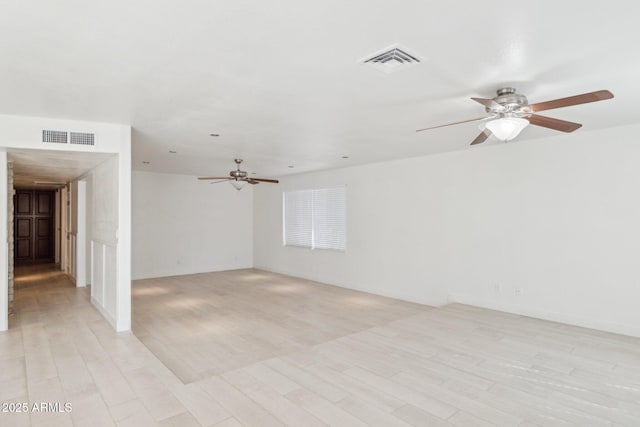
(412, 365)
(208, 324)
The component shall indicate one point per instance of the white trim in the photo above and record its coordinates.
(112, 243)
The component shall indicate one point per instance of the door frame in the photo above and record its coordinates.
(64, 230)
(34, 216)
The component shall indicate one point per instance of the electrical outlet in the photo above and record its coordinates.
(496, 288)
(518, 292)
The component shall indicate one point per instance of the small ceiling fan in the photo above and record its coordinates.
(510, 113)
(238, 178)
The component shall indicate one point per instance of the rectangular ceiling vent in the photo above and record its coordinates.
(54, 137)
(64, 137)
(392, 59)
(82, 138)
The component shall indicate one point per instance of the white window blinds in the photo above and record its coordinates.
(298, 219)
(329, 218)
(315, 219)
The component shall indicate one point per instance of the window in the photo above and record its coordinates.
(315, 219)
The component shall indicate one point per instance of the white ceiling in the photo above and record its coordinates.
(49, 166)
(282, 82)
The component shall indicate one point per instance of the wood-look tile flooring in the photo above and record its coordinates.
(208, 324)
(412, 366)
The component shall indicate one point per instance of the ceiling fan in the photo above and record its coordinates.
(238, 178)
(510, 113)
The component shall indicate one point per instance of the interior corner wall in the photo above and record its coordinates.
(547, 228)
(184, 226)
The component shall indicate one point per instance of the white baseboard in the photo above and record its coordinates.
(591, 323)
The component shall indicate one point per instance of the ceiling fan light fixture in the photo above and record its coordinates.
(507, 128)
(238, 184)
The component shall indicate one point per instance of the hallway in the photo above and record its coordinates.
(42, 291)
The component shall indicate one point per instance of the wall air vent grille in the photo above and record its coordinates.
(392, 59)
(81, 138)
(54, 137)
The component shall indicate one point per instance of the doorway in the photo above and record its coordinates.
(34, 221)
(88, 231)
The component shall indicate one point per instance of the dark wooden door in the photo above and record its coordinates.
(33, 222)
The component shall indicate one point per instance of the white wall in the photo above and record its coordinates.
(104, 237)
(88, 226)
(183, 226)
(555, 220)
(81, 233)
(4, 253)
(26, 132)
(123, 233)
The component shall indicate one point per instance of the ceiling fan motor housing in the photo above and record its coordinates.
(510, 101)
(238, 174)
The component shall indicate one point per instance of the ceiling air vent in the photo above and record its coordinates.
(54, 136)
(392, 59)
(81, 138)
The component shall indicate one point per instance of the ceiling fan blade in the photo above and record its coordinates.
(218, 182)
(482, 137)
(489, 103)
(555, 124)
(454, 123)
(585, 98)
(252, 181)
(275, 181)
(213, 177)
